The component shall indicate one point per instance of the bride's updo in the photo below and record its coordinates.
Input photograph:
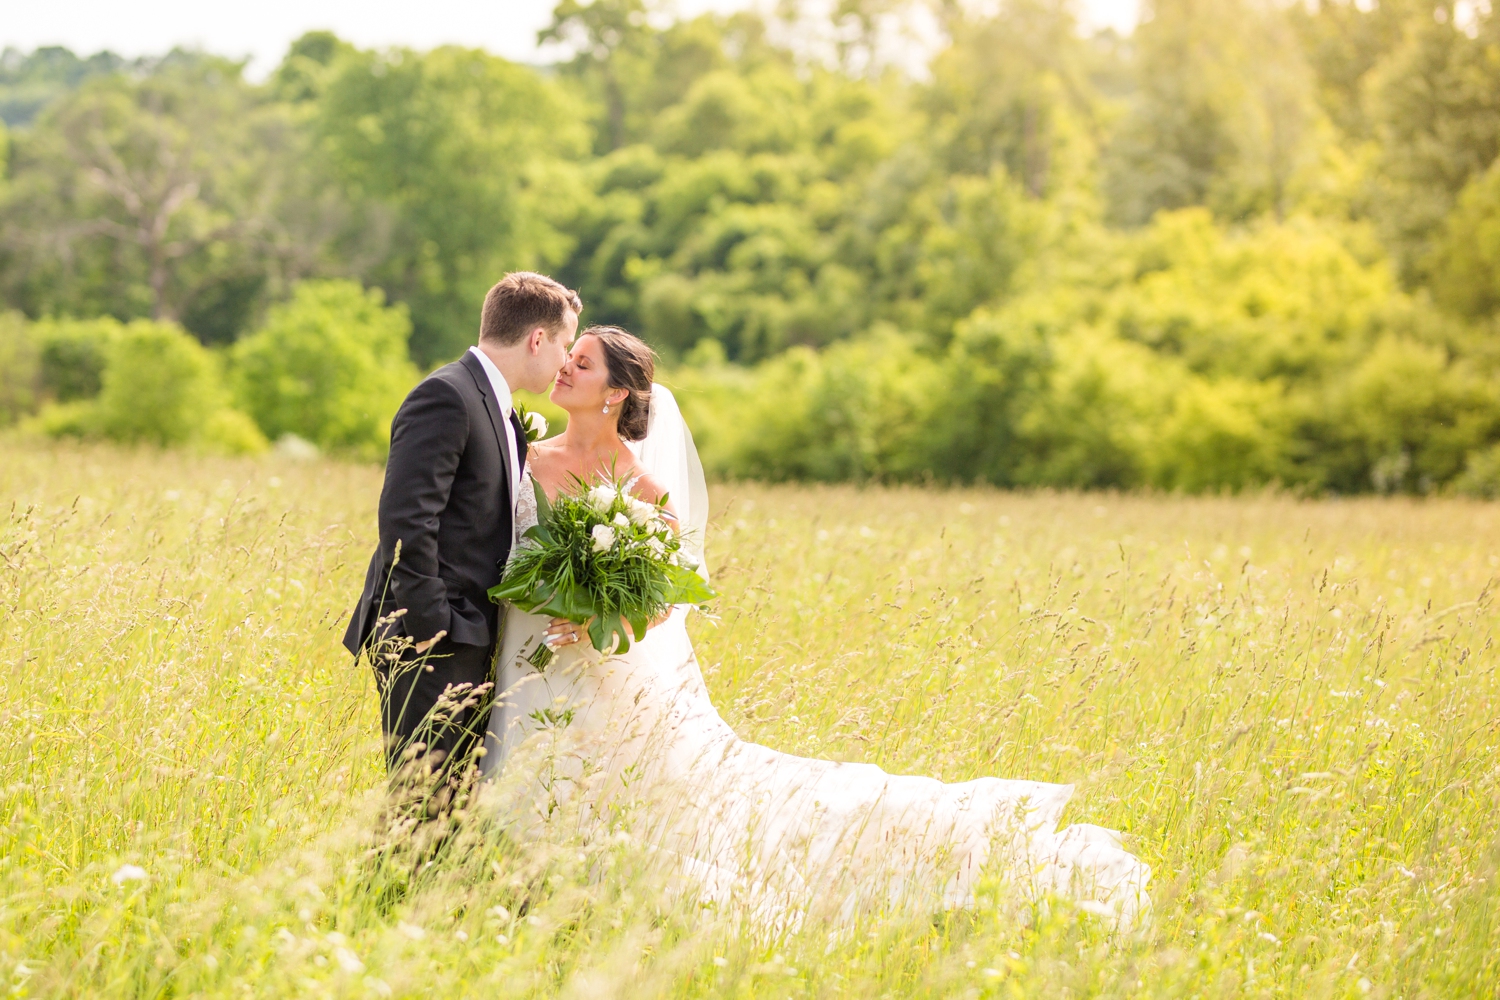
(632, 366)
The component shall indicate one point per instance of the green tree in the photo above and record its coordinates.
(1223, 116)
(1012, 90)
(1436, 106)
(329, 366)
(1344, 41)
(605, 35)
(153, 187)
(1467, 276)
(28, 83)
(450, 146)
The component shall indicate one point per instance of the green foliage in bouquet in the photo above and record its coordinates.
(602, 558)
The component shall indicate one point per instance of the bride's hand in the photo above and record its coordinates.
(564, 633)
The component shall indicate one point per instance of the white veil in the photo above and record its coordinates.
(668, 452)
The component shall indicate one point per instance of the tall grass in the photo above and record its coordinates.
(1290, 707)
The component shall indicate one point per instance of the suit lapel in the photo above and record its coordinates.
(482, 382)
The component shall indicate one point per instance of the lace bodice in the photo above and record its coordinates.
(526, 516)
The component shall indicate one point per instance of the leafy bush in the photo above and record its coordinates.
(330, 366)
(1481, 475)
(1417, 415)
(1222, 434)
(159, 385)
(20, 382)
(73, 356)
(861, 409)
(230, 432)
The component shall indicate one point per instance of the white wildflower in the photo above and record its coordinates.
(620, 521)
(411, 931)
(128, 873)
(536, 425)
(348, 961)
(604, 537)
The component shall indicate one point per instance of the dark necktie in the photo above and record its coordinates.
(520, 434)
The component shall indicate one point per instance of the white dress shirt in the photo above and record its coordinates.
(503, 398)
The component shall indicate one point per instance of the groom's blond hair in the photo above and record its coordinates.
(522, 301)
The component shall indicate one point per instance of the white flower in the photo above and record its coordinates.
(657, 548)
(128, 873)
(620, 520)
(604, 537)
(536, 425)
(602, 498)
(641, 512)
(348, 961)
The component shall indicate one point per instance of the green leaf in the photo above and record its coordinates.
(543, 505)
(687, 587)
(538, 533)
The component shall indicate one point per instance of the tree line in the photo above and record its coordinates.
(1247, 244)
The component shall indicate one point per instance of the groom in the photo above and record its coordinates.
(446, 517)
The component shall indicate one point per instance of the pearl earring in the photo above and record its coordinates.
(606, 407)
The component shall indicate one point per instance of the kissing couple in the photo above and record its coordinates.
(635, 734)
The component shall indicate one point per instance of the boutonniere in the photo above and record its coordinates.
(533, 423)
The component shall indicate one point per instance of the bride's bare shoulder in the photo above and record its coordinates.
(648, 488)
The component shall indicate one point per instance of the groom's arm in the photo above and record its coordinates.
(427, 441)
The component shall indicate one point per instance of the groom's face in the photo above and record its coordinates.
(552, 351)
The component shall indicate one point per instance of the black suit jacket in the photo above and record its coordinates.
(446, 500)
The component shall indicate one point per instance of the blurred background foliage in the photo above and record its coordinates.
(1252, 243)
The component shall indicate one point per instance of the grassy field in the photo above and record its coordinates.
(1290, 707)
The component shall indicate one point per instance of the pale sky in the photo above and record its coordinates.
(263, 29)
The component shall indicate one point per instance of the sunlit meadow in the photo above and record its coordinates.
(1289, 707)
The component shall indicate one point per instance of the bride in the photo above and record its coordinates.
(637, 736)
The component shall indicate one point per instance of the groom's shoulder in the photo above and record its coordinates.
(446, 388)
(454, 375)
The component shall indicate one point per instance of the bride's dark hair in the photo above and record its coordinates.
(632, 366)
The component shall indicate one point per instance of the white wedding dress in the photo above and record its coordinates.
(634, 741)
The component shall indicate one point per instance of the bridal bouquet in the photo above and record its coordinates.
(603, 558)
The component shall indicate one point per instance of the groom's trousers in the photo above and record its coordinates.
(434, 707)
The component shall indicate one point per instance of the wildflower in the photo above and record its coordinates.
(348, 961)
(128, 873)
(604, 537)
(621, 521)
